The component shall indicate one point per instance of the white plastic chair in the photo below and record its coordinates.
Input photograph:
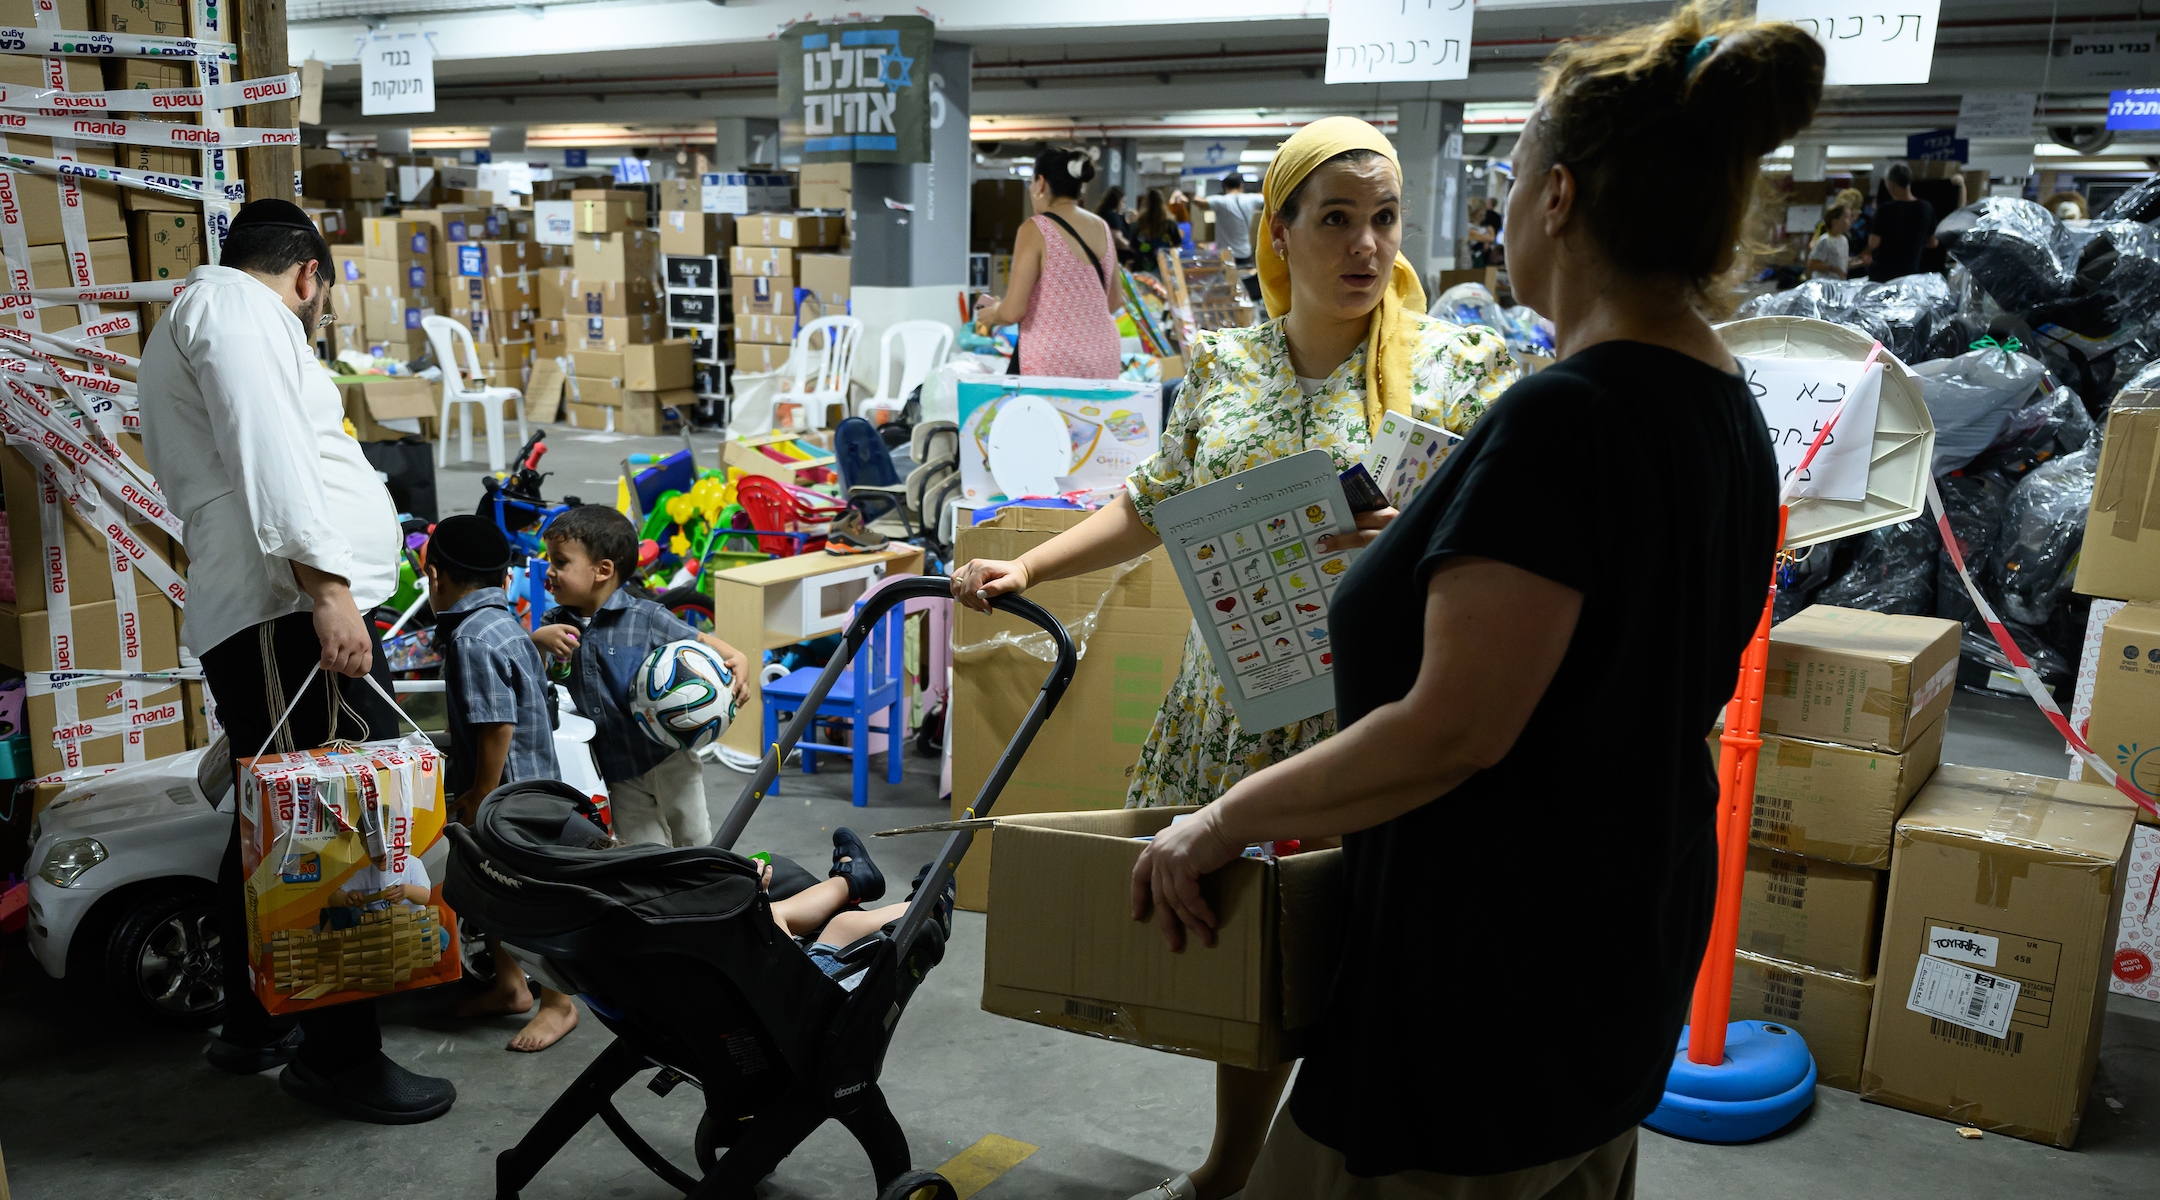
(923, 347)
(819, 376)
(453, 345)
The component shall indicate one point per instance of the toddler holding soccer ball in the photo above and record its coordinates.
(605, 632)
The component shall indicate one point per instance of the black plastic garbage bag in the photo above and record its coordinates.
(2053, 424)
(1893, 571)
(1903, 313)
(1974, 502)
(1972, 398)
(2015, 250)
(1980, 659)
(2141, 203)
(2035, 554)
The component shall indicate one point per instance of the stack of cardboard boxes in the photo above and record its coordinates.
(1853, 713)
(628, 374)
(398, 285)
(2118, 688)
(785, 272)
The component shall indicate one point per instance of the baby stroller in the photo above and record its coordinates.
(677, 953)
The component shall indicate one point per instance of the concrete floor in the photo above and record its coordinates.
(93, 1107)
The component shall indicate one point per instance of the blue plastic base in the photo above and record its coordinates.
(1766, 1081)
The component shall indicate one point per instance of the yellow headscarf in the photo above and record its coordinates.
(1387, 346)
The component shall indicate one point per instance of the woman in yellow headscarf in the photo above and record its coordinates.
(1347, 339)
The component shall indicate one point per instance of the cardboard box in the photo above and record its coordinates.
(2137, 945)
(693, 232)
(759, 357)
(2005, 893)
(23, 13)
(174, 162)
(355, 179)
(634, 254)
(610, 298)
(763, 295)
(386, 276)
(1083, 756)
(786, 229)
(395, 239)
(681, 194)
(742, 192)
(828, 185)
(2119, 558)
(756, 327)
(827, 277)
(1828, 1009)
(631, 200)
(1838, 803)
(552, 289)
(109, 263)
(2125, 723)
(504, 326)
(372, 400)
(351, 265)
(167, 245)
(396, 318)
(1063, 951)
(149, 18)
(599, 392)
(615, 333)
(659, 415)
(588, 416)
(660, 367)
(89, 578)
(96, 642)
(492, 259)
(39, 196)
(1809, 910)
(508, 293)
(768, 261)
(1858, 678)
(200, 718)
(551, 338)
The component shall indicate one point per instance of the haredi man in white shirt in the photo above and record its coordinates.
(291, 539)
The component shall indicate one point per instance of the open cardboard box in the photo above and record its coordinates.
(1064, 951)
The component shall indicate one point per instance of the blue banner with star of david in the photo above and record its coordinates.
(858, 91)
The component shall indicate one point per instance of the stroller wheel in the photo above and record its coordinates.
(919, 1185)
(716, 1135)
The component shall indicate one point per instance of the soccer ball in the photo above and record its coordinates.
(681, 695)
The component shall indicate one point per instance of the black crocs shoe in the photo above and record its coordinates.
(242, 1058)
(377, 1091)
(865, 883)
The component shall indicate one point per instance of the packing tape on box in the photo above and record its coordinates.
(167, 134)
(58, 101)
(46, 683)
(85, 44)
(187, 187)
(1038, 644)
(41, 431)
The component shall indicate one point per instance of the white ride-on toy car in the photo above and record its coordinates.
(124, 871)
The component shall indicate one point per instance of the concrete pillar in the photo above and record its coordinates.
(1428, 141)
(921, 238)
(1810, 160)
(739, 142)
(506, 140)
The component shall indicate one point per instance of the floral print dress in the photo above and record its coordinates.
(1241, 407)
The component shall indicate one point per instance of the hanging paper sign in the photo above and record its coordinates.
(1938, 145)
(1996, 115)
(858, 91)
(178, 100)
(143, 133)
(1866, 41)
(1798, 397)
(397, 74)
(52, 43)
(1211, 158)
(573, 158)
(1393, 41)
(2108, 59)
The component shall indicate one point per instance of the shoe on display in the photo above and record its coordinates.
(242, 1058)
(377, 1091)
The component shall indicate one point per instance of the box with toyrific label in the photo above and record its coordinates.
(339, 905)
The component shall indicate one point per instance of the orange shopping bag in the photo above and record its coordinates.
(339, 905)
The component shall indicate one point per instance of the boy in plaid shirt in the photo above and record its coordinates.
(604, 630)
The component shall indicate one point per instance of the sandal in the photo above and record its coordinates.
(865, 882)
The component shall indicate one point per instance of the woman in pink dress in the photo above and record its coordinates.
(1063, 288)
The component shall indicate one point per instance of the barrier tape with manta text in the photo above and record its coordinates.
(177, 100)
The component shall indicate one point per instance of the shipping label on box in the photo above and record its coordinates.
(616, 333)
(1859, 678)
(2124, 728)
(763, 295)
(1828, 1010)
(1833, 802)
(2005, 894)
(1062, 950)
(491, 259)
(611, 298)
(351, 265)
(1810, 910)
(390, 238)
(555, 222)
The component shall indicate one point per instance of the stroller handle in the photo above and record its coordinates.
(922, 587)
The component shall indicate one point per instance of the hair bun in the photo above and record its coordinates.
(1759, 86)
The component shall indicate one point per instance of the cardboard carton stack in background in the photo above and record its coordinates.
(776, 255)
(641, 384)
(399, 285)
(1853, 712)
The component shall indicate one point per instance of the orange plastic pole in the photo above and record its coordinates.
(1741, 745)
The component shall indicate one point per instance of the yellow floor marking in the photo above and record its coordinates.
(979, 1166)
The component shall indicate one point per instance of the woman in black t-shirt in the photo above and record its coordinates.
(1525, 911)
